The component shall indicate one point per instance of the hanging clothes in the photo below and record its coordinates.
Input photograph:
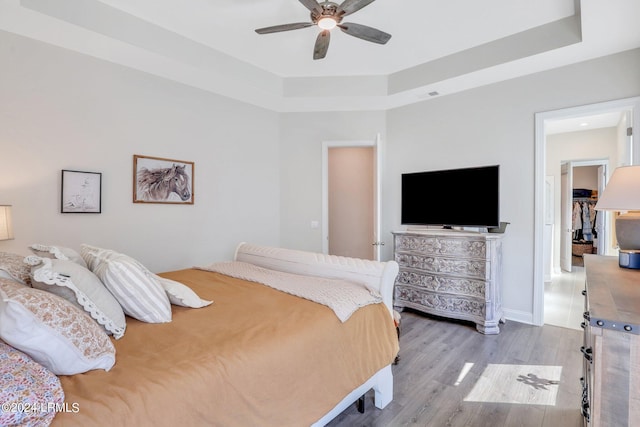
(577, 221)
(586, 222)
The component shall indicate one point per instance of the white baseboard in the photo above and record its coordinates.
(519, 316)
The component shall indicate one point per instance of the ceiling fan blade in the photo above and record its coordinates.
(365, 33)
(322, 44)
(350, 6)
(311, 5)
(284, 27)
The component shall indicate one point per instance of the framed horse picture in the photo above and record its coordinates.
(158, 180)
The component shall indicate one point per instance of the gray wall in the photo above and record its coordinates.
(301, 140)
(62, 110)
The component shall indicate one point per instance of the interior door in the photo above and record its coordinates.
(335, 225)
(566, 220)
(601, 227)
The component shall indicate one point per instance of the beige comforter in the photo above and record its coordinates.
(255, 357)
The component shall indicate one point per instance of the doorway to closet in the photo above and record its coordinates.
(583, 230)
(548, 227)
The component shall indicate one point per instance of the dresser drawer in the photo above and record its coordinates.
(440, 283)
(448, 246)
(447, 304)
(471, 268)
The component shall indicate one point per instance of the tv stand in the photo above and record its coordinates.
(451, 273)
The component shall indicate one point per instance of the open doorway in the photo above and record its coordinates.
(583, 230)
(570, 121)
(341, 160)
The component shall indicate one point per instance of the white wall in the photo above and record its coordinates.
(62, 110)
(301, 140)
(495, 125)
(585, 177)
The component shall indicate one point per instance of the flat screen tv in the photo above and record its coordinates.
(468, 197)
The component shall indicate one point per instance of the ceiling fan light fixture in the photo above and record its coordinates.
(327, 23)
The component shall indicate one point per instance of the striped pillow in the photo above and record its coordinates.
(132, 284)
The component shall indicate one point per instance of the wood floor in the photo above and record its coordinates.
(444, 362)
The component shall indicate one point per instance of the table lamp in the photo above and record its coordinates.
(622, 193)
(6, 227)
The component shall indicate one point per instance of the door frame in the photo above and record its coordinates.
(566, 223)
(626, 104)
(376, 144)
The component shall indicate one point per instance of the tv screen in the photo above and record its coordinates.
(455, 197)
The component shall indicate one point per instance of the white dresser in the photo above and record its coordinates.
(450, 273)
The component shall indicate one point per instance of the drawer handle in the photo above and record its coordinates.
(585, 399)
(585, 410)
(583, 325)
(587, 352)
(584, 292)
(586, 315)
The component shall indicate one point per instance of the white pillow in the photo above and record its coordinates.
(136, 288)
(52, 331)
(57, 252)
(182, 295)
(80, 287)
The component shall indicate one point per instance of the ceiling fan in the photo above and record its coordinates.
(328, 15)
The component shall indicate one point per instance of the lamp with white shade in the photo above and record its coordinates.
(622, 194)
(6, 227)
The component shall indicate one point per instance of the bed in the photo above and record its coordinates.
(257, 355)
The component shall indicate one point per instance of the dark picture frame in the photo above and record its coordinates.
(160, 180)
(81, 192)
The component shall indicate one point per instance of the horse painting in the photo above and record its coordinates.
(159, 184)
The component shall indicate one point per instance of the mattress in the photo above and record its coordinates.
(256, 356)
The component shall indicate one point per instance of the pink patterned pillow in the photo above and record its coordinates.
(13, 265)
(28, 391)
(52, 331)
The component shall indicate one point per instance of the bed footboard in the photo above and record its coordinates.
(374, 274)
(382, 385)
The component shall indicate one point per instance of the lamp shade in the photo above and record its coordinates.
(6, 227)
(622, 193)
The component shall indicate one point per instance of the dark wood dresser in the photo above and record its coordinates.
(611, 349)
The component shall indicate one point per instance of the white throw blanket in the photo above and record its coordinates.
(342, 296)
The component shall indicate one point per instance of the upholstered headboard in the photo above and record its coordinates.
(374, 274)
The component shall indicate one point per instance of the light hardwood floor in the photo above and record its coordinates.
(563, 299)
(451, 375)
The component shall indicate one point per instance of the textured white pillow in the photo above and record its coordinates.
(80, 287)
(132, 284)
(52, 331)
(182, 295)
(57, 252)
